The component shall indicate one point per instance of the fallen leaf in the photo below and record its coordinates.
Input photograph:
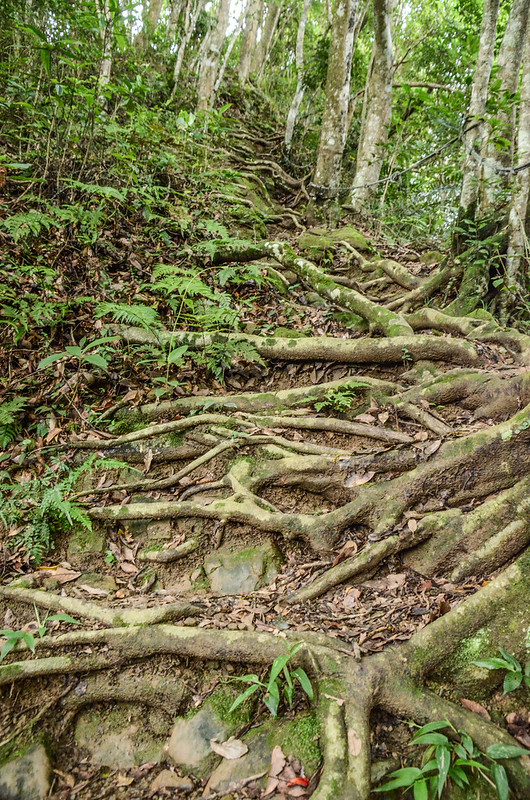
(412, 525)
(338, 700)
(300, 781)
(92, 590)
(471, 705)
(123, 780)
(128, 568)
(355, 745)
(432, 447)
(147, 460)
(383, 417)
(348, 549)
(357, 479)
(231, 749)
(60, 574)
(351, 598)
(368, 418)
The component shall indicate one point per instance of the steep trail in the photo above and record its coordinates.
(361, 489)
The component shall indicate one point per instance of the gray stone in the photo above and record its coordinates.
(120, 737)
(83, 541)
(189, 744)
(256, 761)
(27, 777)
(242, 571)
(96, 580)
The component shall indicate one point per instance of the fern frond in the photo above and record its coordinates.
(137, 314)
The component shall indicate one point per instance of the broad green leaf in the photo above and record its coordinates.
(458, 775)
(46, 59)
(493, 663)
(65, 618)
(46, 362)
(443, 760)
(6, 649)
(301, 676)
(433, 726)
(277, 665)
(421, 791)
(512, 681)
(272, 704)
(96, 360)
(243, 696)
(401, 778)
(501, 781)
(516, 666)
(431, 738)
(74, 350)
(506, 751)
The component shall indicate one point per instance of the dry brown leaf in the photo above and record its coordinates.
(351, 598)
(347, 550)
(412, 525)
(383, 417)
(231, 748)
(368, 418)
(93, 591)
(471, 705)
(128, 568)
(357, 479)
(278, 761)
(148, 458)
(432, 447)
(338, 700)
(60, 574)
(355, 745)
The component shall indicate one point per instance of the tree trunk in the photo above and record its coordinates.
(300, 87)
(517, 255)
(230, 47)
(191, 15)
(150, 22)
(253, 13)
(509, 64)
(268, 30)
(210, 64)
(477, 107)
(377, 111)
(107, 41)
(326, 179)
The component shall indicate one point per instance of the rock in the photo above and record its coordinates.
(256, 761)
(189, 744)
(350, 235)
(431, 257)
(83, 541)
(168, 780)
(242, 571)
(316, 242)
(95, 580)
(119, 737)
(27, 777)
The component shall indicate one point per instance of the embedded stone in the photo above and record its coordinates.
(189, 744)
(232, 571)
(350, 235)
(27, 777)
(119, 737)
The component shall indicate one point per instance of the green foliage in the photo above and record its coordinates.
(83, 353)
(341, 399)
(282, 681)
(14, 637)
(33, 511)
(137, 314)
(514, 670)
(10, 427)
(456, 759)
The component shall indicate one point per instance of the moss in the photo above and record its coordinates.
(174, 439)
(221, 701)
(9, 672)
(302, 740)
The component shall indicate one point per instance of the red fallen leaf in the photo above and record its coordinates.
(471, 705)
(300, 781)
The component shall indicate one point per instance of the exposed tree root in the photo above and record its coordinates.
(348, 690)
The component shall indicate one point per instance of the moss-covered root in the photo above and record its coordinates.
(109, 616)
(158, 691)
(346, 773)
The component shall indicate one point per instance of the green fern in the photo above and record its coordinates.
(10, 426)
(27, 224)
(137, 314)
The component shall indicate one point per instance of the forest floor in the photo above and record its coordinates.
(349, 470)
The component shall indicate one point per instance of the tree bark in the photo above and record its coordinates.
(517, 254)
(334, 129)
(475, 119)
(150, 22)
(377, 111)
(253, 14)
(509, 70)
(210, 64)
(268, 30)
(300, 87)
(191, 15)
(107, 42)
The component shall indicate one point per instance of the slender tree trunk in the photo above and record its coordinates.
(105, 68)
(300, 86)
(477, 107)
(509, 64)
(228, 52)
(253, 13)
(191, 15)
(150, 22)
(518, 254)
(334, 129)
(377, 110)
(268, 30)
(210, 63)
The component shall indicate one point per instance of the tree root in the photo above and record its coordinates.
(347, 690)
(171, 554)
(390, 350)
(109, 616)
